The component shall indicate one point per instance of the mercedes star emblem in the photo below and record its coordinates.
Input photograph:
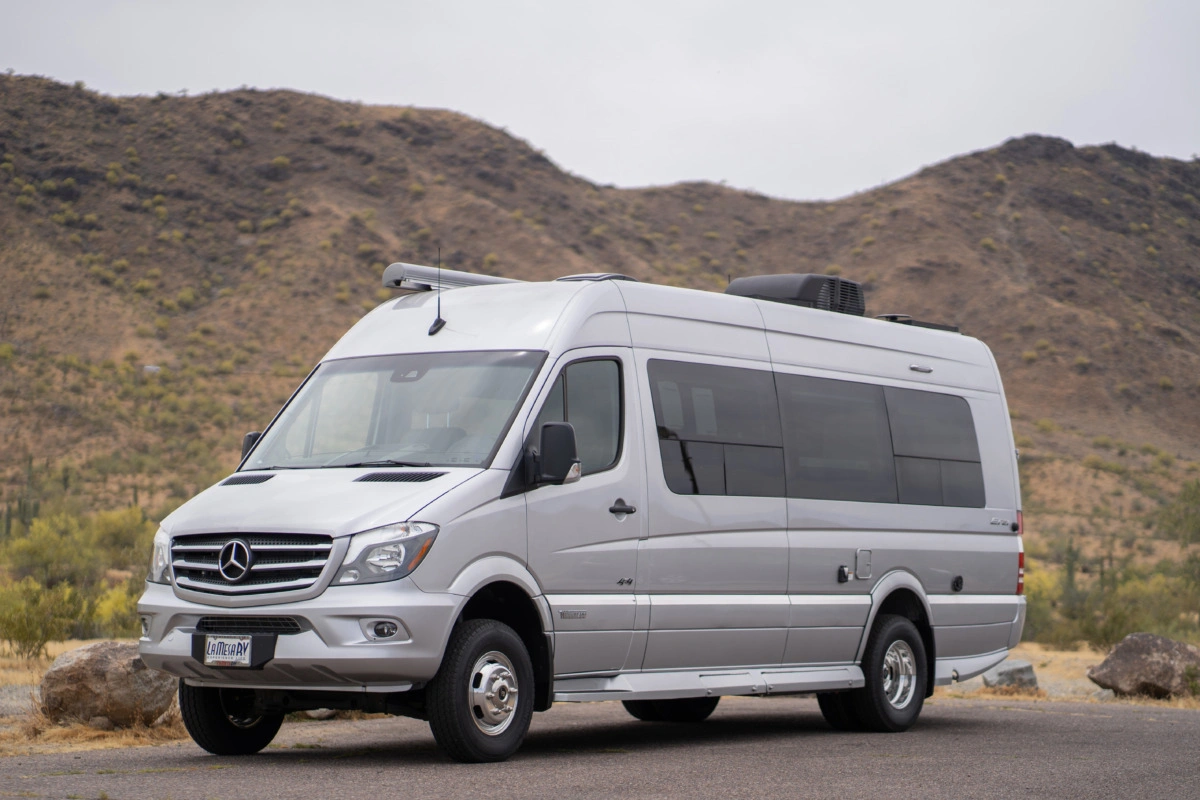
(234, 561)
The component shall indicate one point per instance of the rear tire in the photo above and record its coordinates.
(838, 710)
(687, 709)
(223, 721)
(481, 700)
(897, 675)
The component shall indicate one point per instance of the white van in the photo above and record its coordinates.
(491, 495)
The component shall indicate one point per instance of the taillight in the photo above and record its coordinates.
(1020, 562)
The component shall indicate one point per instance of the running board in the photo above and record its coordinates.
(706, 683)
(949, 670)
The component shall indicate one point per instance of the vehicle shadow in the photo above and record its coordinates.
(611, 737)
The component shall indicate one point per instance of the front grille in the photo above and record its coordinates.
(237, 625)
(278, 562)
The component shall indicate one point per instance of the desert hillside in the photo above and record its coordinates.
(228, 239)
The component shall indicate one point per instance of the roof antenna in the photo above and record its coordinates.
(438, 323)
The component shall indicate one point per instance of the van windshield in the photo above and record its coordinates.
(420, 409)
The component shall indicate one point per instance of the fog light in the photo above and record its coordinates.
(385, 630)
(145, 626)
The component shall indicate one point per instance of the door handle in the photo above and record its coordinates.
(621, 507)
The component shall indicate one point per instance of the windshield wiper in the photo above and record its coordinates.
(276, 466)
(387, 462)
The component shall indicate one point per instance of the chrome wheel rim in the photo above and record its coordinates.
(899, 674)
(493, 693)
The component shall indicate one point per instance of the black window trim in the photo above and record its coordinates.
(775, 373)
(567, 412)
(655, 404)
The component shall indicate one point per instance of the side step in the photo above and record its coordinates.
(706, 683)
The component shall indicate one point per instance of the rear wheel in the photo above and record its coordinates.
(223, 721)
(481, 700)
(687, 709)
(896, 673)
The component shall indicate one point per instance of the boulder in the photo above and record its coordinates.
(1145, 664)
(1011, 673)
(106, 679)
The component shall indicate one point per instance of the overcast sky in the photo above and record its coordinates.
(801, 100)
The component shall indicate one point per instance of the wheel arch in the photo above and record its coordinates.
(902, 594)
(508, 602)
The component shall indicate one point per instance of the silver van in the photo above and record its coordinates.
(493, 495)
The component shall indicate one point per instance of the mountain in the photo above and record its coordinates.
(172, 266)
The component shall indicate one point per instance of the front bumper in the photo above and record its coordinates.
(334, 650)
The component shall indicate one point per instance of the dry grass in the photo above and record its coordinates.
(33, 732)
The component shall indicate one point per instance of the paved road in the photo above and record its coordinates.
(777, 747)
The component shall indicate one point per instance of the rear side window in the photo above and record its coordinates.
(732, 431)
(718, 429)
(937, 452)
(837, 442)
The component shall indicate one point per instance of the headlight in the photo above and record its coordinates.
(386, 554)
(160, 559)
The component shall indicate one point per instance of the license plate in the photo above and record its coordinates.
(227, 651)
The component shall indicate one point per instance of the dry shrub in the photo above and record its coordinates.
(34, 732)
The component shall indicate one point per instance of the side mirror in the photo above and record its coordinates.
(248, 442)
(559, 462)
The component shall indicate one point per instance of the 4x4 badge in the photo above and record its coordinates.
(234, 561)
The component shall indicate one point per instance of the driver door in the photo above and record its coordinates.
(583, 537)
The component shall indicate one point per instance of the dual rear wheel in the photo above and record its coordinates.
(897, 675)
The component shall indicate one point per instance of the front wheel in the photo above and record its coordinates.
(838, 710)
(481, 700)
(223, 721)
(687, 709)
(896, 673)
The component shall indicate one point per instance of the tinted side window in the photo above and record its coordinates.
(718, 429)
(587, 394)
(837, 442)
(937, 452)
(931, 425)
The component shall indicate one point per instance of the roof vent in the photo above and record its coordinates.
(245, 480)
(398, 477)
(597, 276)
(825, 292)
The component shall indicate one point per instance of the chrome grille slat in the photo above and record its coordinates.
(241, 588)
(194, 565)
(279, 562)
(318, 564)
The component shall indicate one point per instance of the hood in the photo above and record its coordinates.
(329, 501)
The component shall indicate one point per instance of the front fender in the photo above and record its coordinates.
(493, 569)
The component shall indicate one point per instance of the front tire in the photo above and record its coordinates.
(223, 721)
(838, 710)
(897, 675)
(481, 700)
(687, 709)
